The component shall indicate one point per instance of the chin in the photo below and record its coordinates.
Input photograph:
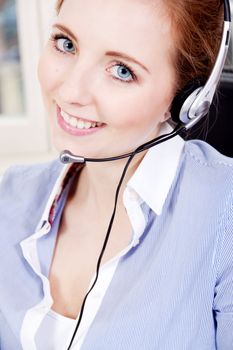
(78, 151)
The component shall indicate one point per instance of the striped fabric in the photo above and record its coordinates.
(173, 291)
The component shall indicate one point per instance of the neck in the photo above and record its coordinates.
(99, 181)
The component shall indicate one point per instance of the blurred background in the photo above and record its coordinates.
(24, 134)
(24, 29)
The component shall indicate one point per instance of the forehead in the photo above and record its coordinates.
(117, 13)
(139, 27)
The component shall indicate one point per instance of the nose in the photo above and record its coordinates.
(76, 85)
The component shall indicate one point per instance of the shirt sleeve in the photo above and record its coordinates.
(223, 300)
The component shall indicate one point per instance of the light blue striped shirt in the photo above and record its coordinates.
(173, 291)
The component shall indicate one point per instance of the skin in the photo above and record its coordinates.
(82, 82)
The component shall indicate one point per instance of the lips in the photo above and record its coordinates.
(75, 125)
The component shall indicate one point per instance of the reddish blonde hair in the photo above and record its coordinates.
(196, 29)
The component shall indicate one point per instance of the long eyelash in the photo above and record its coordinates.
(55, 37)
(129, 69)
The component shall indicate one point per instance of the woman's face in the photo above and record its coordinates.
(107, 76)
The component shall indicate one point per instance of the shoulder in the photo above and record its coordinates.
(207, 177)
(205, 166)
(20, 177)
(24, 192)
(206, 155)
(205, 180)
(205, 161)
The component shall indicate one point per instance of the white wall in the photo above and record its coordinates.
(26, 139)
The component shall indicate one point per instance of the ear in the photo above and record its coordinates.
(166, 116)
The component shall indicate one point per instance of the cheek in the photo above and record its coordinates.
(48, 72)
(143, 108)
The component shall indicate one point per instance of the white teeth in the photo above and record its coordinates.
(65, 116)
(73, 122)
(87, 125)
(78, 123)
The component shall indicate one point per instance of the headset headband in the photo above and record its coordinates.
(197, 104)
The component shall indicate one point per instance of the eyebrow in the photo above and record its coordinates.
(65, 29)
(108, 53)
(126, 57)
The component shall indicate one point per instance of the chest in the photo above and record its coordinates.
(77, 250)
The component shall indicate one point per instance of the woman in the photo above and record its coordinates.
(109, 74)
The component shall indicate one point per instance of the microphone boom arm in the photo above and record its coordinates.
(67, 157)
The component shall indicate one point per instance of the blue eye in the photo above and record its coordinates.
(66, 45)
(63, 44)
(123, 73)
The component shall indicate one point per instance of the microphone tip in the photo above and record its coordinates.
(65, 157)
(68, 157)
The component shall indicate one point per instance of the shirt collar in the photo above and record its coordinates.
(157, 171)
(65, 175)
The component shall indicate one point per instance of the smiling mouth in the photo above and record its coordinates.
(79, 123)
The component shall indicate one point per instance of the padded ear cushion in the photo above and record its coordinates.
(181, 97)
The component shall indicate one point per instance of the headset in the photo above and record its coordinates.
(194, 101)
(188, 107)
